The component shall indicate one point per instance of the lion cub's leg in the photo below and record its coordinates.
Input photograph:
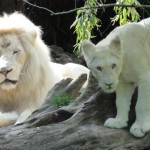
(124, 93)
(142, 123)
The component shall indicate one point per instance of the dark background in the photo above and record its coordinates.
(57, 28)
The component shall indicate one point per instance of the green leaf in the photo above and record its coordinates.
(86, 21)
(124, 13)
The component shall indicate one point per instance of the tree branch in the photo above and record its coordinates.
(26, 1)
(101, 6)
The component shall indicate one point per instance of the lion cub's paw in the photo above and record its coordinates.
(115, 123)
(137, 130)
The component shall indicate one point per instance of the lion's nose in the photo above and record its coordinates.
(5, 70)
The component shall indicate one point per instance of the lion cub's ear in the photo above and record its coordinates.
(115, 43)
(87, 48)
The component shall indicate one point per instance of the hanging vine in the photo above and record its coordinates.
(87, 19)
(126, 14)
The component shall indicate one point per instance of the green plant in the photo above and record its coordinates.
(126, 14)
(86, 20)
(61, 100)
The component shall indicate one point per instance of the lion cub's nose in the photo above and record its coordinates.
(5, 71)
(109, 84)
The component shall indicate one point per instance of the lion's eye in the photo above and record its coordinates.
(15, 52)
(99, 68)
(113, 66)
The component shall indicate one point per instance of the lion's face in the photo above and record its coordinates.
(105, 63)
(106, 69)
(12, 60)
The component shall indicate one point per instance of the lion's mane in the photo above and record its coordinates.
(34, 81)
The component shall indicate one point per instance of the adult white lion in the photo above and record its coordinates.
(26, 73)
(121, 62)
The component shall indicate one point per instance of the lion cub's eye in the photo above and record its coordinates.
(99, 68)
(113, 66)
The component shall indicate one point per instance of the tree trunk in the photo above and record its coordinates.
(78, 126)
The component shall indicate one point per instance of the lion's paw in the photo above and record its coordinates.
(138, 130)
(115, 123)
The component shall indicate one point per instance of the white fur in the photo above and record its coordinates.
(69, 70)
(128, 47)
(24, 58)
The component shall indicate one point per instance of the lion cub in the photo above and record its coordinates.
(121, 62)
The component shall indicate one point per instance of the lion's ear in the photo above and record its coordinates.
(33, 35)
(29, 35)
(87, 49)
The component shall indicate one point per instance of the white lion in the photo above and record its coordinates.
(26, 72)
(121, 62)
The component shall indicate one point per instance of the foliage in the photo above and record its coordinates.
(61, 100)
(85, 21)
(126, 14)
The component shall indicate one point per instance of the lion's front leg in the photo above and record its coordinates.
(142, 123)
(8, 118)
(124, 93)
(23, 116)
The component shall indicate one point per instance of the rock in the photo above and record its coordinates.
(78, 126)
(59, 56)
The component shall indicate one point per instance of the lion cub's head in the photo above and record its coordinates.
(105, 61)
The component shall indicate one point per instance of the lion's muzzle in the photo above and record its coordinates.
(5, 70)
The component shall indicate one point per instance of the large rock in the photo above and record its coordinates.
(78, 126)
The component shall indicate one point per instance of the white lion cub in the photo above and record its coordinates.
(121, 62)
